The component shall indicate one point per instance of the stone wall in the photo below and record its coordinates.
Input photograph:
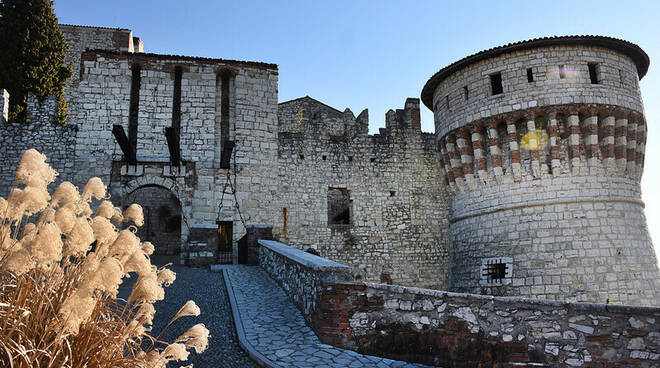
(462, 330)
(81, 39)
(397, 213)
(544, 177)
(618, 84)
(105, 99)
(55, 140)
(300, 274)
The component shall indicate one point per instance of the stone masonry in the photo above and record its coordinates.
(459, 330)
(543, 150)
(529, 187)
(397, 224)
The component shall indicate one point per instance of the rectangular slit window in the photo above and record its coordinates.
(373, 159)
(496, 84)
(447, 101)
(324, 157)
(622, 77)
(562, 72)
(530, 75)
(593, 73)
(466, 93)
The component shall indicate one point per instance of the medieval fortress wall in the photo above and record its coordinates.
(531, 190)
(565, 218)
(396, 227)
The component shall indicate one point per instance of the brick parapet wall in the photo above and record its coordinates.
(467, 330)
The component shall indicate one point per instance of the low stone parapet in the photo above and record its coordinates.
(301, 274)
(460, 330)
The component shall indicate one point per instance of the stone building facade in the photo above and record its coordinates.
(529, 187)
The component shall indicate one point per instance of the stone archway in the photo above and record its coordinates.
(162, 218)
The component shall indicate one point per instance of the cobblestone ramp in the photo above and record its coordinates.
(274, 332)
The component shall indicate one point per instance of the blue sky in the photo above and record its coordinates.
(374, 54)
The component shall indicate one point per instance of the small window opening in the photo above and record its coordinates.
(373, 159)
(324, 157)
(285, 220)
(392, 193)
(496, 271)
(622, 77)
(530, 75)
(562, 72)
(302, 157)
(496, 83)
(593, 73)
(447, 101)
(339, 206)
(350, 158)
(466, 93)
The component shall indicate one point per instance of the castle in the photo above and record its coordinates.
(529, 186)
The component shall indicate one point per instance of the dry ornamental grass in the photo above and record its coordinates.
(61, 266)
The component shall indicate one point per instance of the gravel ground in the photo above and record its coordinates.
(207, 289)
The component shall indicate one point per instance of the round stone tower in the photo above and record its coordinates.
(542, 145)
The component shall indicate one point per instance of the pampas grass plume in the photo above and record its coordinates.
(33, 170)
(66, 193)
(19, 262)
(188, 309)
(175, 352)
(80, 238)
(134, 213)
(106, 209)
(58, 299)
(104, 231)
(65, 219)
(46, 247)
(147, 248)
(94, 188)
(196, 337)
(166, 277)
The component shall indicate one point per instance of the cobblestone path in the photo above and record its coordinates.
(275, 328)
(208, 290)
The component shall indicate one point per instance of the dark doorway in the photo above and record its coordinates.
(243, 250)
(225, 236)
(162, 218)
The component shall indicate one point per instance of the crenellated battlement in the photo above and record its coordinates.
(308, 116)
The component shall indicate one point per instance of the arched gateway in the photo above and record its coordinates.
(162, 218)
